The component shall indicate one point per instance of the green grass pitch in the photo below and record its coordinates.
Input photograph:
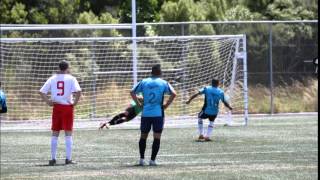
(274, 149)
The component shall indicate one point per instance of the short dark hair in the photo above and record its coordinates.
(63, 65)
(156, 70)
(215, 82)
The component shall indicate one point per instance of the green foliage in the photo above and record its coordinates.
(13, 12)
(215, 10)
(182, 10)
(147, 10)
(73, 11)
(287, 10)
(91, 18)
(239, 12)
(189, 10)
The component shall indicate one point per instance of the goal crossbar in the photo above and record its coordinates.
(80, 39)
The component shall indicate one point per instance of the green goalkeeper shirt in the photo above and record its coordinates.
(137, 109)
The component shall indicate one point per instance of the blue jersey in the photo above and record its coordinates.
(3, 105)
(153, 90)
(212, 98)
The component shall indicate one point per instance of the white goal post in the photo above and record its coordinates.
(106, 71)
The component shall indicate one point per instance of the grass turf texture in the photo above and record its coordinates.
(266, 149)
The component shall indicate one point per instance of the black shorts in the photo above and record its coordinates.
(156, 123)
(131, 113)
(203, 115)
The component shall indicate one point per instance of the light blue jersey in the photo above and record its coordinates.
(212, 98)
(153, 90)
(3, 105)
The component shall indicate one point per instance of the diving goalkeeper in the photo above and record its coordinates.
(130, 113)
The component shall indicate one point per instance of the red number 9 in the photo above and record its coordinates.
(60, 86)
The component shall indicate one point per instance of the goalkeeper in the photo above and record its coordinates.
(130, 113)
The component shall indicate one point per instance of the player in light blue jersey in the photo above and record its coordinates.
(3, 104)
(153, 90)
(213, 95)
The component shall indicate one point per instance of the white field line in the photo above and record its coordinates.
(43, 126)
(137, 127)
(173, 155)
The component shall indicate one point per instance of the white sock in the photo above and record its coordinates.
(54, 144)
(200, 126)
(68, 147)
(210, 129)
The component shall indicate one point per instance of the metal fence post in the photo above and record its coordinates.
(94, 83)
(271, 70)
(134, 43)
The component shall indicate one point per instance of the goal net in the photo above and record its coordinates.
(104, 69)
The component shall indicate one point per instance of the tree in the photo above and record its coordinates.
(239, 12)
(91, 18)
(146, 10)
(185, 10)
(13, 12)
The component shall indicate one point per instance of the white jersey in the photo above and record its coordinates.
(61, 87)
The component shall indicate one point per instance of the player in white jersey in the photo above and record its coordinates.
(62, 86)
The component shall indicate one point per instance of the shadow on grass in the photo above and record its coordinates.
(138, 166)
(47, 165)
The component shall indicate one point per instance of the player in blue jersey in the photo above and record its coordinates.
(3, 104)
(153, 90)
(213, 95)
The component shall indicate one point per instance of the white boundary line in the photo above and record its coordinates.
(171, 122)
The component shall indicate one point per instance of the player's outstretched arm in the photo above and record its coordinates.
(227, 105)
(45, 98)
(170, 100)
(192, 97)
(135, 98)
(102, 125)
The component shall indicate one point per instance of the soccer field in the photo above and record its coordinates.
(274, 148)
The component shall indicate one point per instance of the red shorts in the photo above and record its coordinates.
(62, 117)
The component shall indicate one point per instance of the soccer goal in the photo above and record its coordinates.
(105, 70)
